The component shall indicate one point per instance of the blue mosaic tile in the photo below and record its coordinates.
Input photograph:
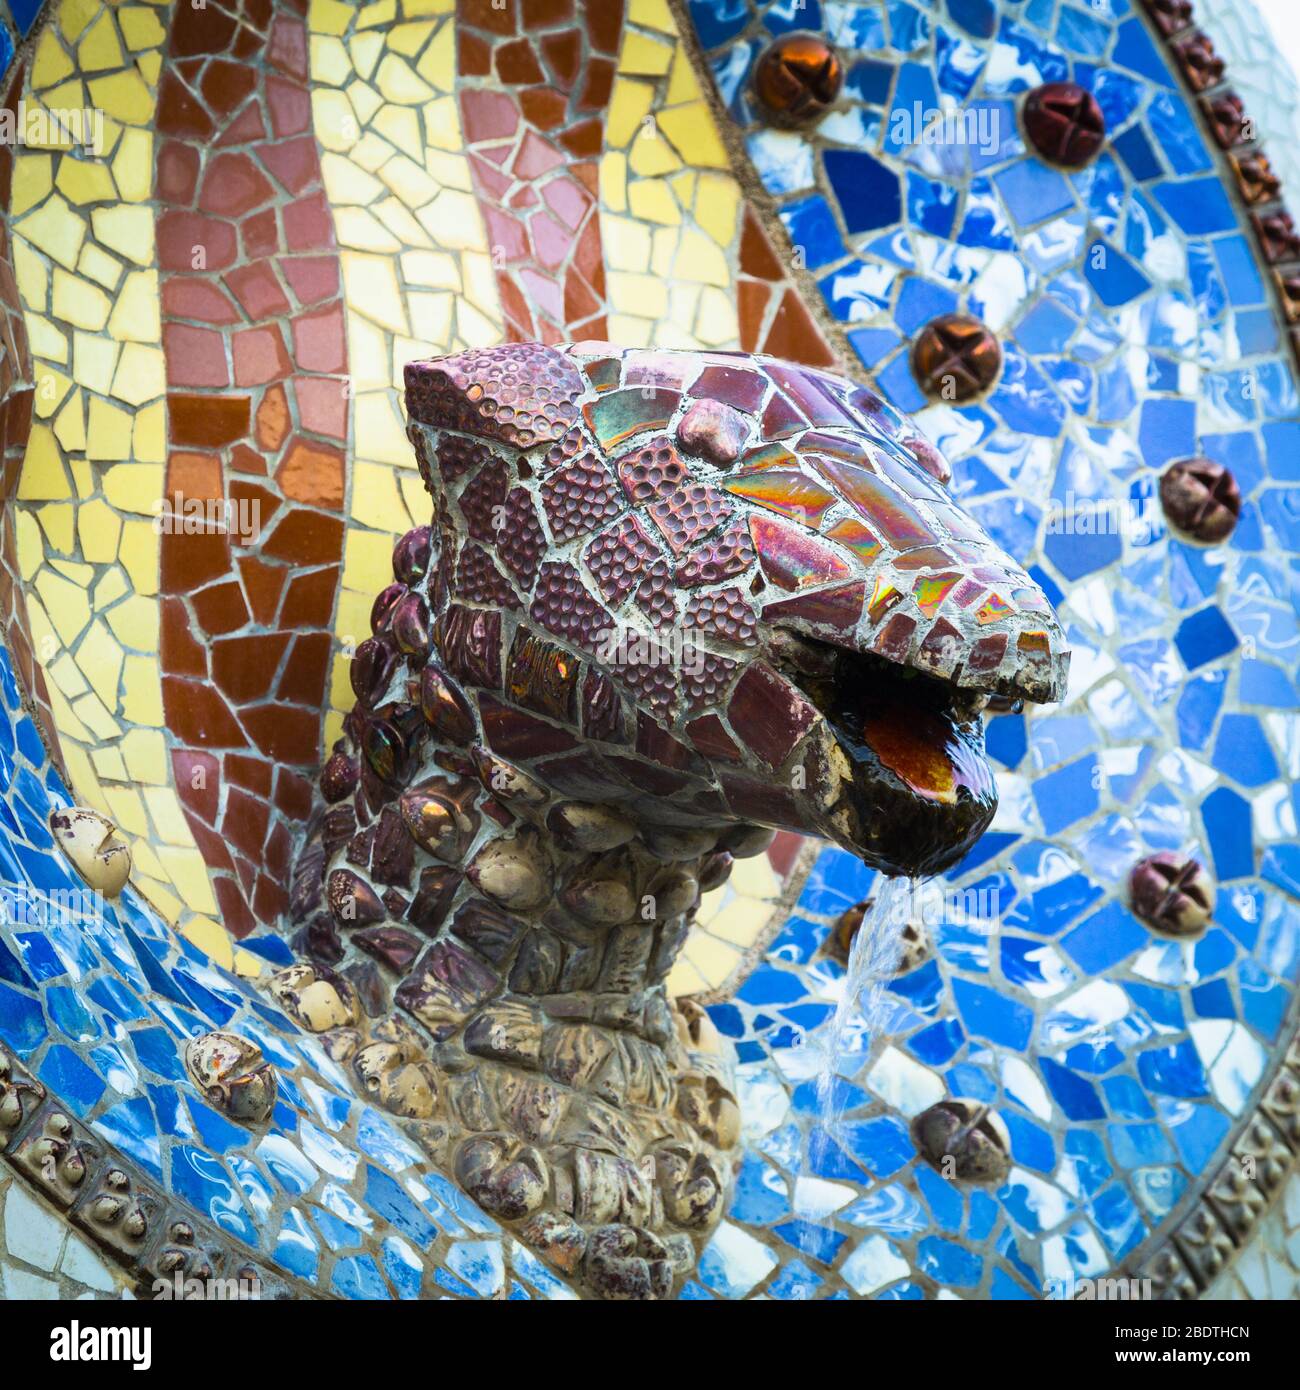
(71, 1079)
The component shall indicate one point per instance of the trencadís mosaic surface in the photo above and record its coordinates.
(95, 1009)
(287, 204)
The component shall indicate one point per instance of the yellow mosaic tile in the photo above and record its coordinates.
(125, 96)
(664, 165)
(731, 920)
(643, 53)
(417, 280)
(82, 182)
(212, 939)
(140, 28)
(53, 227)
(652, 14)
(250, 966)
(84, 260)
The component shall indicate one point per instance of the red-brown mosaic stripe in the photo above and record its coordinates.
(253, 333)
(773, 317)
(16, 391)
(534, 80)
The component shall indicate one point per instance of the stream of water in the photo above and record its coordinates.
(873, 958)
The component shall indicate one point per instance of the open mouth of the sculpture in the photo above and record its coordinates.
(919, 791)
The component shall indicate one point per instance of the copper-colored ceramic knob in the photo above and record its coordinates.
(965, 1141)
(1172, 895)
(1064, 124)
(955, 358)
(1201, 499)
(797, 78)
(1170, 16)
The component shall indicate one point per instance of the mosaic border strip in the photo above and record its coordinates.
(1260, 190)
(1224, 1216)
(149, 1234)
(1219, 1221)
(762, 225)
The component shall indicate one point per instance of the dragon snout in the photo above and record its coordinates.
(845, 616)
(879, 578)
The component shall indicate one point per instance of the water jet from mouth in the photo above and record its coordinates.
(860, 1011)
(873, 959)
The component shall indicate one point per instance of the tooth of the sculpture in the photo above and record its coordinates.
(590, 828)
(89, 840)
(317, 998)
(513, 872)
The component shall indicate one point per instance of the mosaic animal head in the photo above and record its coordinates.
(711, 586)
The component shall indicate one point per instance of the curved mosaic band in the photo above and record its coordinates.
(533, 88)
(16, 390)
(257, 400)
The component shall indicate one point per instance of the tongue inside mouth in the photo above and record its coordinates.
(930, 753)
(922, 790)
